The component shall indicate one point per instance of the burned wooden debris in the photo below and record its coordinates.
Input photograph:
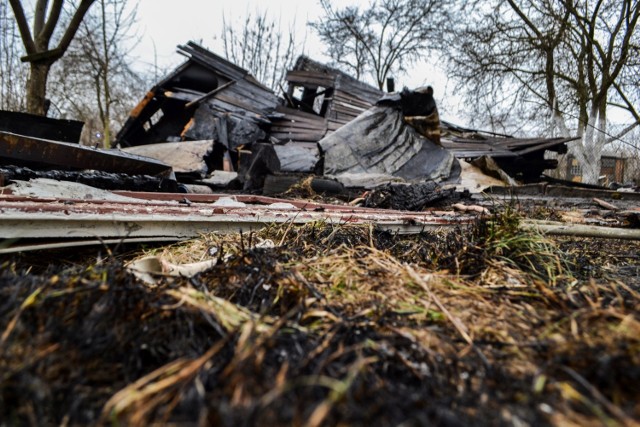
(341, 135)
(415, 197)
(24, 158)
(206, 98)
(40, 127)
(522, 159)
(317, 127)
(186, 160)
(38, 153)
(97, 179)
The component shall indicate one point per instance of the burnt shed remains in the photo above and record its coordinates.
(205, 98)
(319, 99)
(252, 132)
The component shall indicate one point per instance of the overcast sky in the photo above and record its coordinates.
(166, 23)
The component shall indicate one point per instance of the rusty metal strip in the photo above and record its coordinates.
(162, 199)
(29, 219)
(247, 198)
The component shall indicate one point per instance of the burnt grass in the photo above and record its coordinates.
(328, 326)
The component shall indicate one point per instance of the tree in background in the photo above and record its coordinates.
(13, 73)
(37, 41)
(380, 39)
(259, 45)
(94, 79)
(564, 63)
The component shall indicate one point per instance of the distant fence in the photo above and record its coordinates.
(619, 163)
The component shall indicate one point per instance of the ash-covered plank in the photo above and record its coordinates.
(297, 157)
(40, 127)
(184, 157)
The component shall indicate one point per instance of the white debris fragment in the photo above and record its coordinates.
(53, 189)
(281, 205)
(229, 202)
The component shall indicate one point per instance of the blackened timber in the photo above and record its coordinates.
(277, 184)
(103, 180)
(351, 99)
(298, 157)
(210, 94)
(264, 161)
(43, 154)
(40, 127)
(307, 78)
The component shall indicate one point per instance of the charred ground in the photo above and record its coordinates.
(327, 325)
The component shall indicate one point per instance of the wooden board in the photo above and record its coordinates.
(310, 78)
(183, 157)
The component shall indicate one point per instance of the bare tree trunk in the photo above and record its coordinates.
(37, 87)
(36, 43)
(588, 155)
(106, 119)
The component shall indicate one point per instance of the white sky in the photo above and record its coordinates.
(164, 24)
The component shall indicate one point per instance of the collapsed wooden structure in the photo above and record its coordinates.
(319, 99)
(205, 98)
(206, 84)
(242, 126)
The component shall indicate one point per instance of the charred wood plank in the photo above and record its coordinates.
(42, 154)
(97, 179)
(263, 161)
(408, 197)
(310, 78)
(210, 94)
(40, 127)
(351, 99)
(277, 184)
(186, 157)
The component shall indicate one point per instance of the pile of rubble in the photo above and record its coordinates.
(210, 127)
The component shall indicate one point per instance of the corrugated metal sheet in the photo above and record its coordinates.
(41, 218)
